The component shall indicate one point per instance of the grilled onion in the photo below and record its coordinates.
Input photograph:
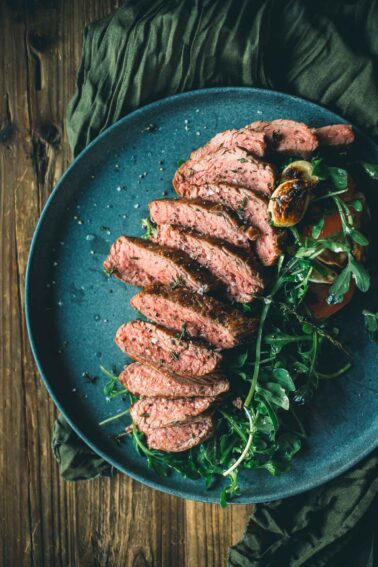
(300, 169)
(289, 202)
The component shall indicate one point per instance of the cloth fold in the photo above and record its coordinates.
(332, 525)
(76, 460)
(320, 50)
(149, 49)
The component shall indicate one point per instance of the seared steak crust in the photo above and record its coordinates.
(199, 316)
(206, 218)
(335, 135)
(252, 142)
(288, 136)
(179, 438)
(153, 413)
(141, 262)
(235, 167)
(252, 207)
(161, 348)
(237, 271)
(143, 380)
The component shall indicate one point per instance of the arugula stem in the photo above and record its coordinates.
(347, 211)
(268, 302)
(141, 445)
(118, 393)
(269, 359)
(330, 195)
(302, 431)
(335, 374)
(225, 454)
(246, 448)
(314, 354)
(256, 369)
(112, 376)
(344, 210)
(114, 417)
(234, 424)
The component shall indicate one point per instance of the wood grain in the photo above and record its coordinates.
(44, 520)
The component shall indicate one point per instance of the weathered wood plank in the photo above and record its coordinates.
(44, 520)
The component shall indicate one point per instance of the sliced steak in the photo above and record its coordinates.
(198, 316)
(179, 438)
(238, 272)
(204, 217)
(142, 380)
(288, 136)
(252, 207)
(153, 413)
(235, 167)
(252, 142)
(335, 135)
(141, 262)
(161, 348)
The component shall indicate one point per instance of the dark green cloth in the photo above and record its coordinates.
(76, 460)
(325, 51)
(334, 525)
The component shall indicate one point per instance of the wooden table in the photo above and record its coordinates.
(44, 520)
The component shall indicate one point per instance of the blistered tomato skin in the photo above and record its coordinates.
(317, 300)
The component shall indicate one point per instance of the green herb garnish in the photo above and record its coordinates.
(371, 323)
(149, 227)
(371, 169)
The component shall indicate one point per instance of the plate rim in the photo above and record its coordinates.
(182, 493)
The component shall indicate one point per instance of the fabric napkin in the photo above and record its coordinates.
(323, 51)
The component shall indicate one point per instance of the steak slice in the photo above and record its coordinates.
(335, 135)
(204, 217)
(252, 142)
(252, 207)
(161, 348)
(153, 413)
(142, 380)
(142, 262)
(237, 271)
(288, 136)
(235, 167)
(199, 316)
(179, 438)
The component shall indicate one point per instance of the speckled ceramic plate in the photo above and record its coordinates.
(73, 309)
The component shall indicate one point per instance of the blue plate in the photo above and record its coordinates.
(73, 309)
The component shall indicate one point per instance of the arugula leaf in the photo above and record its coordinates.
(338, 176)
(111, 388)
(371, 323)
(180, 162)
(357, 205)
(149, 227)
(283, 377)
(357, 236)
(336, 246)
(339, 287)
(229, 491)
(371, 169)
(275, 394)
(289, 444)
(342, 283)
(319, 169)
(317, 228)
(240, 359)
(360, 274)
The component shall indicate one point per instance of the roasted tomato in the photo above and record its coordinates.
(317, 300)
